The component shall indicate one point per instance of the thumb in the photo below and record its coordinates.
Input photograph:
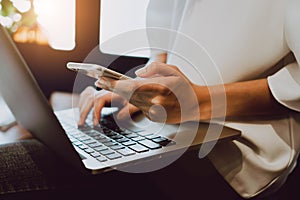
(157, 68)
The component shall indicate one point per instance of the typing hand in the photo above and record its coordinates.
(92, 99)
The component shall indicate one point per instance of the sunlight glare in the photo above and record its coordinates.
(6, 21)
(57, 18)
(22, 5)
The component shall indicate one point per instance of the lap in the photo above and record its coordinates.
(30, 170)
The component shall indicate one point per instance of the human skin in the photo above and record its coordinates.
(164, 84)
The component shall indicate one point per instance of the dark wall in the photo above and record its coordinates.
(48, 65)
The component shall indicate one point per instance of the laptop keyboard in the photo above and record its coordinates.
(109, 142)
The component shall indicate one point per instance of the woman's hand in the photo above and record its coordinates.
(165, 95)
(90, 98)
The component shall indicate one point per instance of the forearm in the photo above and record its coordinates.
(249, 98)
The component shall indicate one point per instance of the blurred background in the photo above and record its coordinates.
(49, 33)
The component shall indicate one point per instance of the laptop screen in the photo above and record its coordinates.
(27, 102)
(117, 19)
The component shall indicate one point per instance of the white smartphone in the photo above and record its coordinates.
(95, 71)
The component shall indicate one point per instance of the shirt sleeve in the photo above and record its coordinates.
(285, 84)
(285, 87)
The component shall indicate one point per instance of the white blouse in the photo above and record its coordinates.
(216, 42)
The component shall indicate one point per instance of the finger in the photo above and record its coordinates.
(105, 100)
(136, 91)
(139, 92)
(106, 83)
(86, 102)
(89, 91)
(123, 87)
(157, 68)
(127, 111)
(84, 111)
(98, 105)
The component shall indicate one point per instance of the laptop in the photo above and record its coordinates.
(136, 146)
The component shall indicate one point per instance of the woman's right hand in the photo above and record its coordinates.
(93, 99)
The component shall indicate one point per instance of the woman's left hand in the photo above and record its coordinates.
(164, 95)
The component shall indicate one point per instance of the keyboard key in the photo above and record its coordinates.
(159, 139)
(89, 150)
(85, 128)
(138, 148)
(123, 140)
(150, 144)
(117, 147)
(106, 130)
(71, 132)
(82, 138)
(109, 144)
(132, 135)
(96, 144)
(95, 154)
(152, 136)
(92, 133)
(76, 143)
(111, 134)
(101, 158)
(99, 137)
(77, 135)
(106, 152)
(146, 134)
(83, 146)
(126, 152)
(89, 141)
(118, 136)
(129, 143)
(164, 141)
(138, 138)
(113, 156)
(117, 129)
(101, 148)
(125, 132)
(105, 140)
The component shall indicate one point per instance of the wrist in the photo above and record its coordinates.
(204, 102)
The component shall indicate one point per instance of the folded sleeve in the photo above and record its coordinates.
(285, 84)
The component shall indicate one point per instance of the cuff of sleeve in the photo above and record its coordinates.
(285, 87)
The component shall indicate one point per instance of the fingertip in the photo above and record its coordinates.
(104, 84)
(82, 118)
(96, 118)
(80, 122)
(95, 122)
(98, 85)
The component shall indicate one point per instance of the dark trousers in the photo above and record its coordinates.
(30, 171)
